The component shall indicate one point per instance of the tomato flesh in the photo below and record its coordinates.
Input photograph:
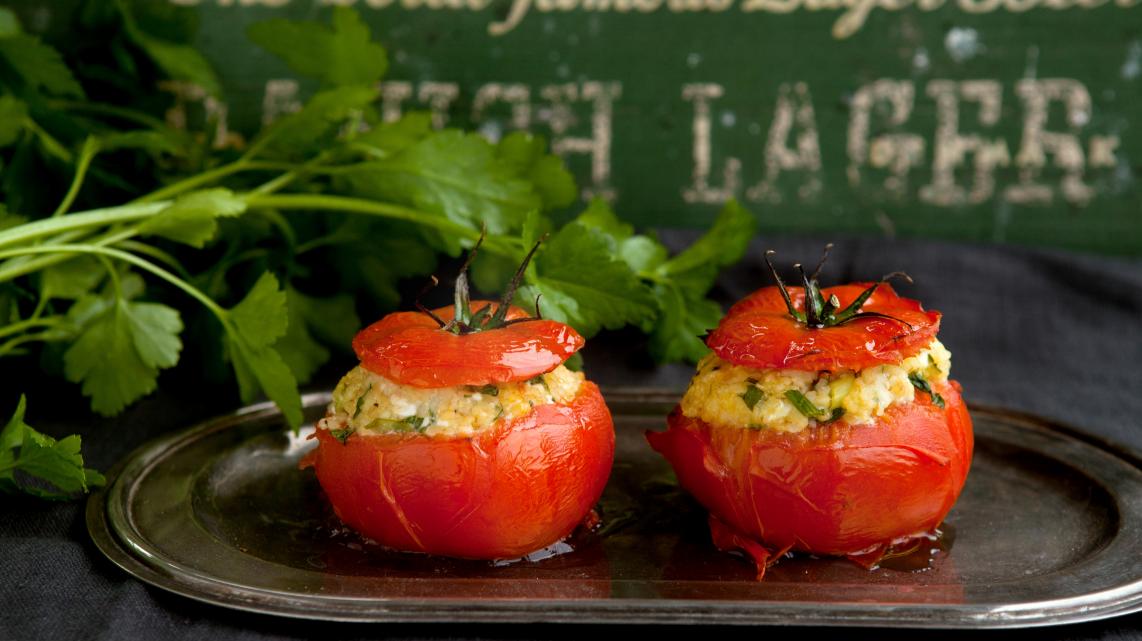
(410, 348)
(759, 332)
(835, 489)
(515, 488)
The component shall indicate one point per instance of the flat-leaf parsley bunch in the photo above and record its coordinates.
(119, 232)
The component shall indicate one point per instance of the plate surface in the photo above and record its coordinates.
(1047, 531)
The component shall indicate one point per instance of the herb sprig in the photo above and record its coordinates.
(124, 241)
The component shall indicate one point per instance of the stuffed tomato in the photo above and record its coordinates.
(462, 433)
(823, 421)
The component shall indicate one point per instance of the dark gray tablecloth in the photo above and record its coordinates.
(1046, 332)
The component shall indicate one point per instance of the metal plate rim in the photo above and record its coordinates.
(1119, 601)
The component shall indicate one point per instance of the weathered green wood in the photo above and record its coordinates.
(1007, 120)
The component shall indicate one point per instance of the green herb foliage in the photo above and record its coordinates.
(806, 407)
(127, 245)
(40, 465)
(921, 383)
(752, 396)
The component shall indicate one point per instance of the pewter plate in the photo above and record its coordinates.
(1047, 531)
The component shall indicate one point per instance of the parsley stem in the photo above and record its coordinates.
(46, 336)
(79, 220)
(119, 254)
(373, 208)
(197, 180)
(13, 269)
(86, 155)
(20, 326)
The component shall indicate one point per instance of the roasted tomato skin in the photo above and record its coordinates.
(759, 332)
(411, 349)
(836, 489)
(513, 489)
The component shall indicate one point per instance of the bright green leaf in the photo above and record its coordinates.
(679, 332)
(56, 466)
(723, 245)
(9, 23)
(388, 138)
(252, 327)
(454, 174)
(337, 56)
(261, 317)
(316, 124)
(118, 353)
(39, 65)
(12, 115)
(72, 278)
(585, 285)
(192, 218)
(526, 153)
(313, 321)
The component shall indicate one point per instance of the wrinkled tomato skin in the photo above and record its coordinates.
(758, 331)
(516, 488)
(832, 490)
(410, 348)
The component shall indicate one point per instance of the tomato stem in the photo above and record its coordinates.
(821, 313)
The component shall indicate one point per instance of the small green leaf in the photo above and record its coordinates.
(752, 396)
(489, 390)
(56, 465)
(454, 174)
(9, 23)
(696, 267)
(585, 285)
(312, 322)
(361, 401)
(337, 56)
(13, 113)
(316, 125)
(678, 333)
(39, 65)
(119, 352)
(72, 278)
(526, 154)
(921, 383)
(341, 435)
(192, 219)
(408, 424)
(252, 327)
(389, 138)
(804, 405)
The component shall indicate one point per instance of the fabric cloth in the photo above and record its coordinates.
(1047, 332)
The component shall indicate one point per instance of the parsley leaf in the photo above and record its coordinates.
(458, 175)
(56, 466)
(312, 321)
(12, 115)
(192, 219)
(252, 327)
(337, 56)
(39, 65)
(681, 326)
(316, 125)
(120, 349)
(695, 268)
(527, 155)
(585, 285)
(752, 396)
(919, 382)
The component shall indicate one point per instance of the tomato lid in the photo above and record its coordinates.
(850, 326)
(411, 348)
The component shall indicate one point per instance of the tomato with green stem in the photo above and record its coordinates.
(510, 488)
(855, 489)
